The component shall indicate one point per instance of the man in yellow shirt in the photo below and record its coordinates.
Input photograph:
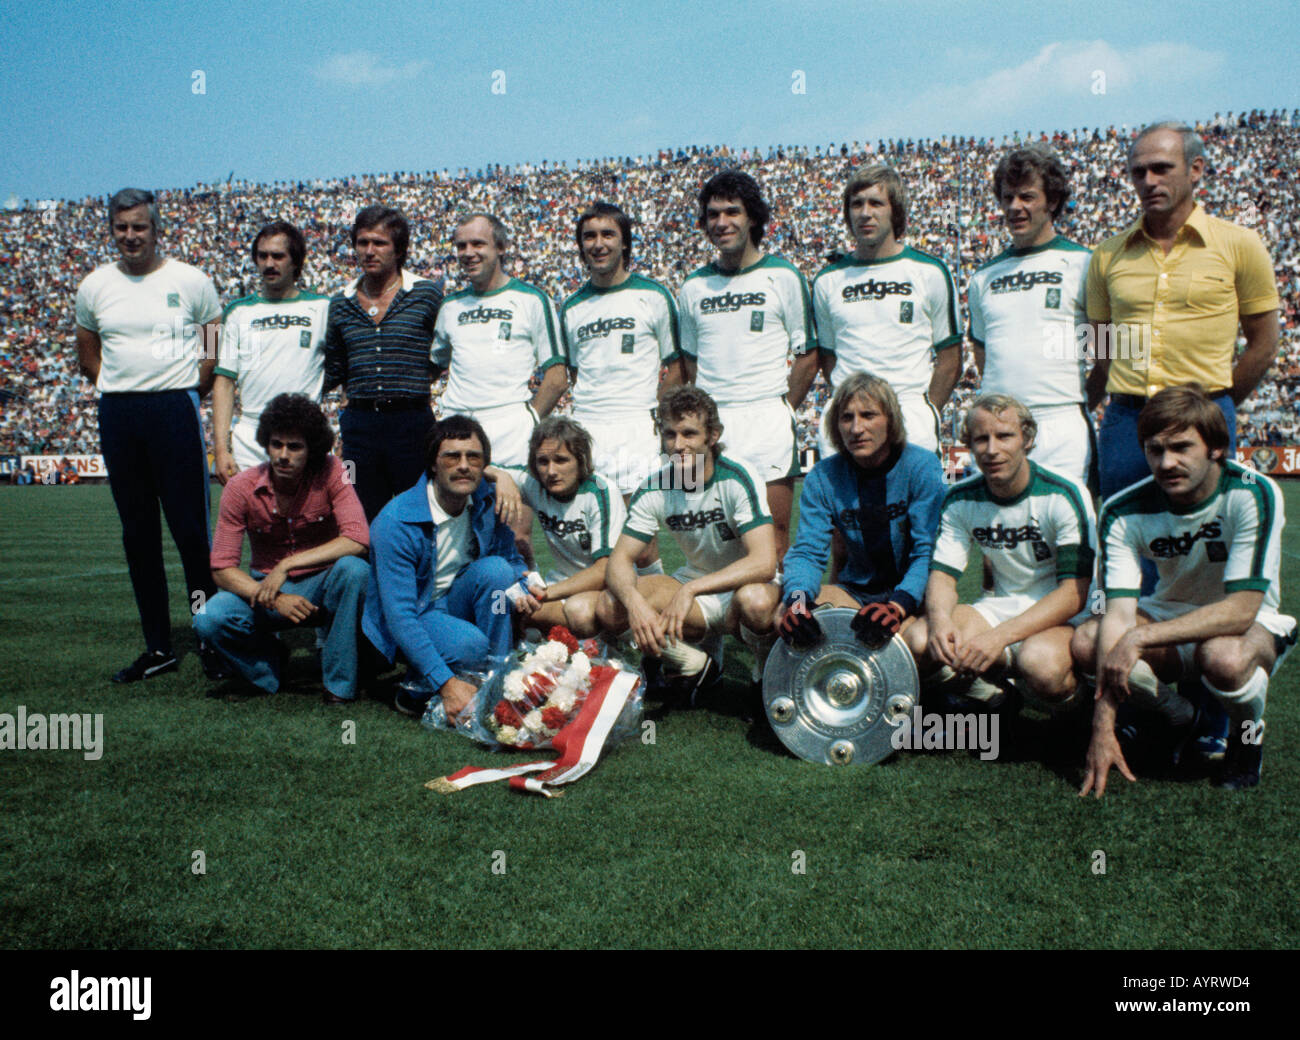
(1165, 297)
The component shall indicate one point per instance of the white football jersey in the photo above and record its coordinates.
(579, 531)
(741, 327)
(707, 522)
(618, 338)
(150, 326)
(492, 343)
(887, 317)
(1230, 542)
(1032, 542)
(272, 347)
(1026, 309)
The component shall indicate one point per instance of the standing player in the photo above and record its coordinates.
(377, 347)
(742, 317)
(1213, 529)
(142, 326)
(580, 512)
(491, 337)
(888, 309)
(620, 331)
(271, 344)
(711, 503)
(1035, 527)
(1027, 307)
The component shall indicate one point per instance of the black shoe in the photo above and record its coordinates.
(147, 665)
(686, 689)
(214, 665)
(1241, 766)
(408, 705)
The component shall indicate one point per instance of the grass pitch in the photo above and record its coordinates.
(694, 840)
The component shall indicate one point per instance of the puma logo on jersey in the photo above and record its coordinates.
(1181, 544)
(281, 321)
(603, 327)
(874, 290)
(559, 526)
(1000, 537)
(692, 519)
(482, 315)
(730, 302)
(1023, 281)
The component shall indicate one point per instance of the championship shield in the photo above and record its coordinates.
(839, 702)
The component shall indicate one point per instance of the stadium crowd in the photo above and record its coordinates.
(47, 248)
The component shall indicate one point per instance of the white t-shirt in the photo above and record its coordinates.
(273, 347)
(150, 326)
(1026, 306)
(579, 531)
(492, 344)
(617, 339)
(1230, 542)
(1032, 542)
(887, 317)
(454, 546)
(708, 522)
(741, 327)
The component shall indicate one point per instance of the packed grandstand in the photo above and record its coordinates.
(47, 408)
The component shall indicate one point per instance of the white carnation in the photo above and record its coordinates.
(533, 720)
(507, 734)
(582, 663)
(564, 698)
(514, 686)
(553, 652)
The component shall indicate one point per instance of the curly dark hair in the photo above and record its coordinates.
(732, 184)
(453, 428)
(1019, 166)
(297, 413)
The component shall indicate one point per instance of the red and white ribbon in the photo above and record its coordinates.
(578, 745)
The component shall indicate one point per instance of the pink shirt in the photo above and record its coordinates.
(324, 508)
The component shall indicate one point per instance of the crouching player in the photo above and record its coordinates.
(1035, 528)
(882, 495)
(1213, 529)
(580, 513)
(308, 533)
(716, 508)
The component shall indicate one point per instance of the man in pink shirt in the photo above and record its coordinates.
(308, 535)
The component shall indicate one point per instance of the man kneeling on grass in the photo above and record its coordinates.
(445, 574)
(1034, 526)
(308, 533)
(1213, 529)
(716, 508)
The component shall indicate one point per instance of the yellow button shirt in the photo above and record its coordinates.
(1177, 313)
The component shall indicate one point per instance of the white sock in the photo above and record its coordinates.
(657, 567)
(761, 645)
(1247, 703)
(1149, 691)
(683, 659)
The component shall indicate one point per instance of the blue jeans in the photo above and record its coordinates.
(471, 621)
(246, 636)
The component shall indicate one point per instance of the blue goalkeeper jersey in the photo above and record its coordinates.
(888, 517)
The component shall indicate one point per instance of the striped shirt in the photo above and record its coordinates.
(390, 359)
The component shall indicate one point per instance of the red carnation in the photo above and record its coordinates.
(537, 688)
(553, 718)
(560, 634)
(507, 716)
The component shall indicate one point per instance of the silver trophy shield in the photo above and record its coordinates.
(839, 702)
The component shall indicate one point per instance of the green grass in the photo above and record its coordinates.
(686, 842)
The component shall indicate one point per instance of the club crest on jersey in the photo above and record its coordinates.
(304, 340)
(1041, 552)
(629, 341)
(1217, 552)
(756, 322)
(905, 312)
(504, 331)
(1053, 301)
(584, 542)
(173, 299)
(1182, 544)
(724, 531)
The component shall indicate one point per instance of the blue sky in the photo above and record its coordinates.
(101, 95)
